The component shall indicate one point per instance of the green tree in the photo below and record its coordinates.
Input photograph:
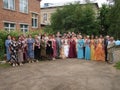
(75, 17)
(115, 19)
(104, 21)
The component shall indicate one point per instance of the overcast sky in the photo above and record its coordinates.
(65, 1)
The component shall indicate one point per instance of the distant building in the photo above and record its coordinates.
(23, 15)
(47, 10)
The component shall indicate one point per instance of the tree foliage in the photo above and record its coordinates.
(104, 21)
(75, 17)
(82, 18)
(115, 20)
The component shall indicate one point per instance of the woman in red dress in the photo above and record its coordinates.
(72, 48)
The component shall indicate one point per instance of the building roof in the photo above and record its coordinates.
(55, 5)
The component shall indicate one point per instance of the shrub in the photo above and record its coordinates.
(117, 65)
(3, 36)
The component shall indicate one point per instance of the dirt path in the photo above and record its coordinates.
(61, 75)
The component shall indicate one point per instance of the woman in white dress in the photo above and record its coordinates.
(66, 47)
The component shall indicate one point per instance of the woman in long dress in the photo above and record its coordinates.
(24, 42)
(7, 45)
(99, 51)
(72, 48)
(80, 45)
(87, 48)
(43, 47)
(20, 51)
(30, 44)
(13, 50)
(37, 48)
(66, 47)
(92, 48)
(54, 47)
(62, 53)
(49, 50)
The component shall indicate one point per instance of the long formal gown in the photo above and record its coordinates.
(43, 49)
(20, 51)
(37, 49)
(99, 51)
(80, 45)
(49, 50)
(66, 48)
(54, 48)
(7, 45)
(30, 43)
(24, 42)
(72, 49)
(92, 49)
(87, 49)
(58, 46)
(13, 49)
(62, 53)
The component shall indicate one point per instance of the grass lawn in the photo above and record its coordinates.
(117, 65)
(6, 65)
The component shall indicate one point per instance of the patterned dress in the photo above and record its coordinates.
(20, 51)
(30, 44)
(13, 49)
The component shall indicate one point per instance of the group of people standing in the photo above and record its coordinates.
(50, 47)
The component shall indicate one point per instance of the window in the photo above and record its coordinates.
(24, 28)
(34, 20)
(9, 26)
(9, 4)
(44, 17)
(24, 6)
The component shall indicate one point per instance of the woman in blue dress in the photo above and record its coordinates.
(7, 45)
(30, 44)
(87, 48)
(80, 45)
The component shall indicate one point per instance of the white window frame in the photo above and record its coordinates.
(9, 27)
(24, 27)
(45, 17)
(23, 11)
(9, 4)
(34, 20)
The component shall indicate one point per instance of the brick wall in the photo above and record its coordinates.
(18, 17)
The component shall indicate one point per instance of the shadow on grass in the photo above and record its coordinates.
(117, 65)
(5, 65)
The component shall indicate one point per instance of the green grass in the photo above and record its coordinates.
(117, 65)
(6, 65)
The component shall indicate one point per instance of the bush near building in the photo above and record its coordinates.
(3, 37)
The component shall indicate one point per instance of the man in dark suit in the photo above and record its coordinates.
(105, 47)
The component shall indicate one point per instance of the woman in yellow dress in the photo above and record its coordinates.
(92, 47)
(99, 51)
